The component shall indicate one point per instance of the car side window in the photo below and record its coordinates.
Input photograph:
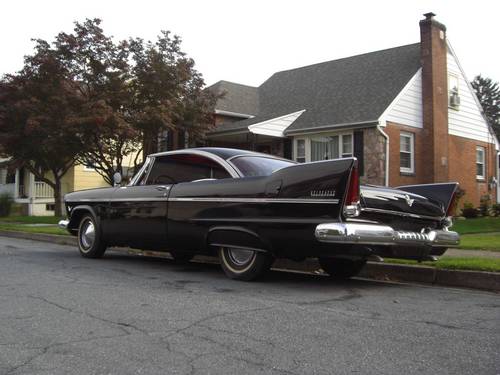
(172, 169)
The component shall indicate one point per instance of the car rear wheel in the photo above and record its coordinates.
(243, 264)
(89, 238)
(341, 269)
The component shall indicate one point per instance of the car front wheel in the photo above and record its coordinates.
(90, 243)
(243, 264)
(341, 269)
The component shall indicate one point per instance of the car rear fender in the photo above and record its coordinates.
(233, 236)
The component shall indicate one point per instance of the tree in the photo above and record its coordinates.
(40, 119)
(488, 94)
(100, 71)
(167, 90)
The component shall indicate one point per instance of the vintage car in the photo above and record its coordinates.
(250, 208)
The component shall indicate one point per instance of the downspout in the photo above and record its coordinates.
(384, 134)
(498, 176)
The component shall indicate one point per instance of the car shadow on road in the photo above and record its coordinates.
(211, 268)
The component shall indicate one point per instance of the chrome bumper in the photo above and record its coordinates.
(371, 234)
(63, 224)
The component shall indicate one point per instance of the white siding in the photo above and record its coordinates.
(407, 107)
(467, 121)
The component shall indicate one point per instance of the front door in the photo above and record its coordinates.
(138, 216)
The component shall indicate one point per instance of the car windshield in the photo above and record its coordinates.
(251, 166)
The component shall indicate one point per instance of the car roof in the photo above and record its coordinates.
(223, 153)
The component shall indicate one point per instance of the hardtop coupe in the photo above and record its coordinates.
(250, 208)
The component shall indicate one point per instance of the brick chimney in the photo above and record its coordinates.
(433, 51)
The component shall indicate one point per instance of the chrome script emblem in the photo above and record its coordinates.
(322, 193)
(409, 201)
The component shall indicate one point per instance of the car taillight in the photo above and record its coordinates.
(452, 207)
(353, 189)
(351, 204)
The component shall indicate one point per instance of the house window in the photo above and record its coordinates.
(331, 147)
(453, 91)
(300, 155)
(407, 152)
(480, 163)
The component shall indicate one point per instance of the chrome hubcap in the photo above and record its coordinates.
(240, 256)
(87, 236)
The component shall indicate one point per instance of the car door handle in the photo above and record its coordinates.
(162, 188)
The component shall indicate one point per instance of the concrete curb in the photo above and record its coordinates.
(377, 271)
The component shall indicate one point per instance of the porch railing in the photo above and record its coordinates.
(43, 190)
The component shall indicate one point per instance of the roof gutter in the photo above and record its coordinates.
(326, 128)
(232, 114)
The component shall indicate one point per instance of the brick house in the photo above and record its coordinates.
(407, 113)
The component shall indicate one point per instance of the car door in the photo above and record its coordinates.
(138, 212)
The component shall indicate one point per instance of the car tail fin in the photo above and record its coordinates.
(444, 194)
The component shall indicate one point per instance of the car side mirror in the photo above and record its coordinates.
(117, 178)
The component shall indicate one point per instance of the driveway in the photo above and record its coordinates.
(124, 314)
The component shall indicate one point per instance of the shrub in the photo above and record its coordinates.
(5, 204)
(469, 211)
(495, 209)
(484, 205)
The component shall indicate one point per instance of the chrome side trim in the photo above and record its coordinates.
(369, 234)
(255, 200)
(63, 224)
(217, 200)
(398, 213)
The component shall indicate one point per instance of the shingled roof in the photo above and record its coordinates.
(348, 91)
(237, 98)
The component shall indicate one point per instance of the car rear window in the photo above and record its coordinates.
(251, 166)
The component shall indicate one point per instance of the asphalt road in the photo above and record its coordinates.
(123, 314)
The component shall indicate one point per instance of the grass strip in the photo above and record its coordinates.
(456, 263)
(28, 229)
(479, 225)
(30, 219)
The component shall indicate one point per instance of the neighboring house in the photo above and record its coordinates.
(37, 197)
(408, 114)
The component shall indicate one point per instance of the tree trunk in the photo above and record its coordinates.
(150, 142)
(58, 203)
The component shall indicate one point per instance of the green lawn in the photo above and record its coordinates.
(30, 219)
(479, 225)
(483, 241)
(26, 228)
(452, 263)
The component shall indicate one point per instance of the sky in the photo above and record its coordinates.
(247, 41)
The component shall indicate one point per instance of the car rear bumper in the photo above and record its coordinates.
(372, 234)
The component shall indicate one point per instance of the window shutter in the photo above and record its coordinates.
(358, 150)
(287, 148)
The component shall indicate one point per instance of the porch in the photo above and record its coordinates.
(35, 197)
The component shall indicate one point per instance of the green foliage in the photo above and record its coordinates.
(488, 94)
(484, 205)
(469, 211)
(495, 209)
(5, 204)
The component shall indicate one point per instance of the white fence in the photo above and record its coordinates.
(43, 190)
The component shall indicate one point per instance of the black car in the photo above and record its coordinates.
(250, 208)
